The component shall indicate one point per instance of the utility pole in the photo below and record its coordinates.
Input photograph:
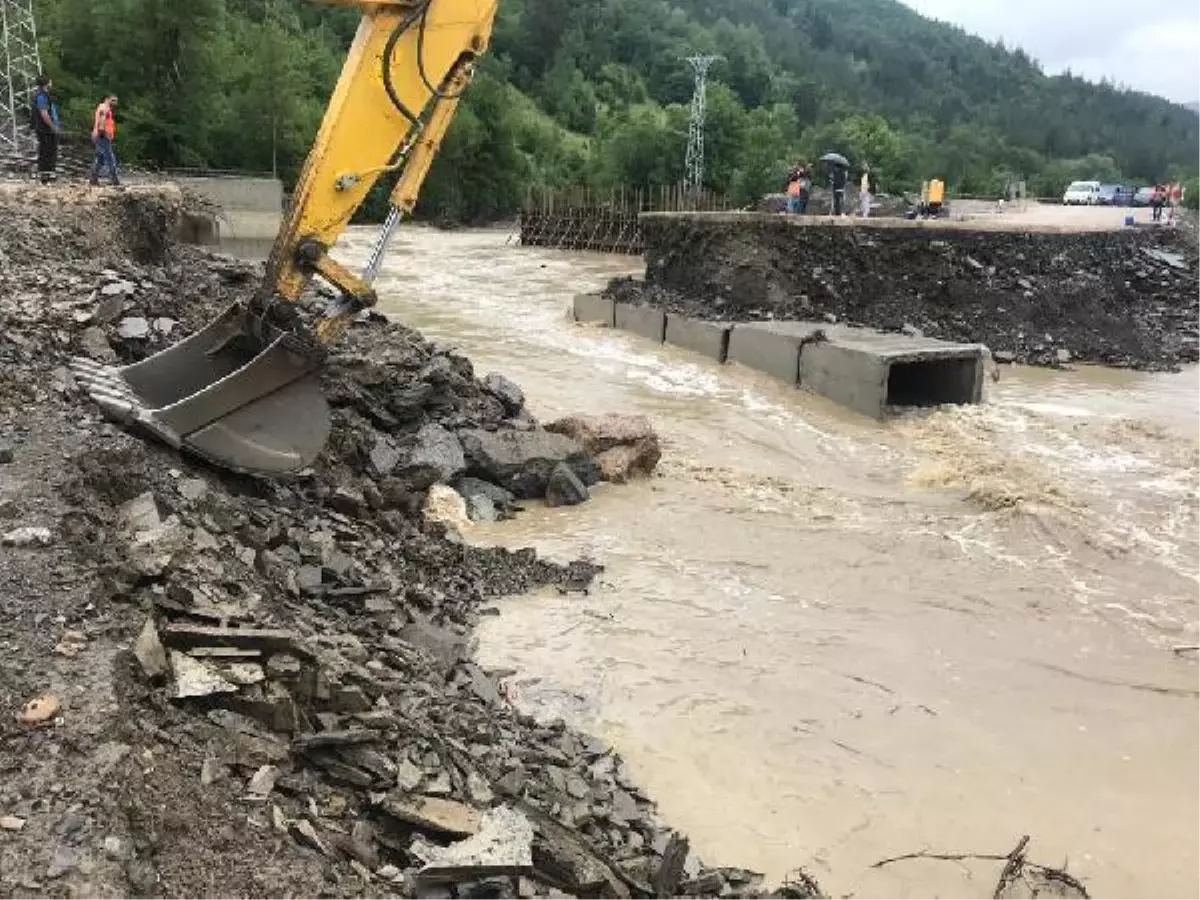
(269, 19)
(693, 178)
(19, 68)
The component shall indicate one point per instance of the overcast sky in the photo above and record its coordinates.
(1149, 45)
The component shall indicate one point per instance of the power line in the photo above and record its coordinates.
(693, 178)
(20, 64)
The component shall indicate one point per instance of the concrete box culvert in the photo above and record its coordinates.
(870, 372)
(593, 309)
(770, 347)
(709, 339)
(644, 321)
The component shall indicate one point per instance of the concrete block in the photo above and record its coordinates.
(771, 347)
(710, 339)
(235, 192)
(855, 380)
(644, 321)
(593, 309)
(869, 371)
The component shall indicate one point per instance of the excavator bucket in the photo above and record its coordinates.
(245, 403)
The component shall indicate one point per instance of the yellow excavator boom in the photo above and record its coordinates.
(244, 391)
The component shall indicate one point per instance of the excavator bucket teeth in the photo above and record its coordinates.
(222, 394)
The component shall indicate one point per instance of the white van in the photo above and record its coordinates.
(1082, 193)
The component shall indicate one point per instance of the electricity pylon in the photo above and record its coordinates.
(693, 178)
(19, 67)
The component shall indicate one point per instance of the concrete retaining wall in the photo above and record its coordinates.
(593, 309)
(251, 209)
(230, 193)
(645, 321)
(710, 339)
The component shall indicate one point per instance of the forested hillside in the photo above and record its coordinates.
(595, 92)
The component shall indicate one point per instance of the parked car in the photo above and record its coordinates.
(1114, 195)
(1082, 193)
(1142, 196)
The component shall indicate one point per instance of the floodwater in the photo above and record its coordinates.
(821, 641)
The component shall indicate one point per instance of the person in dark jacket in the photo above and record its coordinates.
(837, 184)
(46, 129)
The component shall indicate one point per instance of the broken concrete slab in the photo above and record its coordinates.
(709, 339)
(195, 679)
(644, 321)
(503, 845)
(593, 309)
(432, 814)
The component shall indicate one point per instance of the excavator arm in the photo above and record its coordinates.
(244, 391)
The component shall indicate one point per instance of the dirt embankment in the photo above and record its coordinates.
(227, 686)
(1124, 298)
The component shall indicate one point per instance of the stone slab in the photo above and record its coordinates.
(593, 309)
(710, 339)
(644, 321)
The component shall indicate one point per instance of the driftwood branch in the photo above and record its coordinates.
(1016, 867)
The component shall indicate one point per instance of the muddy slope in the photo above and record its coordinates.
(246, 687)
(1119, 298)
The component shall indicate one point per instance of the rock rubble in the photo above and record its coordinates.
(270, 689)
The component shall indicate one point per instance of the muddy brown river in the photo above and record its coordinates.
(821, 641)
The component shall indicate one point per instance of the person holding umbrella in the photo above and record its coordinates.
(839, 168)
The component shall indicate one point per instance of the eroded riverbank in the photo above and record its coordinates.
(823, 641)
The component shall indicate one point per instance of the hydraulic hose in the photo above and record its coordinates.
(389, 51)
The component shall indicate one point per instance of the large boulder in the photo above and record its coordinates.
(486, 502)
(438, 449)
(565, 488)
(508, 393)
(623, 446)
(522, 461)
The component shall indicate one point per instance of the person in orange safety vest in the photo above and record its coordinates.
(104, 132)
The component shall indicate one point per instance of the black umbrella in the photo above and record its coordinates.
(837, 159)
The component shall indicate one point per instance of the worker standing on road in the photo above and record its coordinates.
(104, 132)
(866, 191)
(1157, 199)
(1174, 199)
(799, 183)
(46, 129)
(837, 183)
